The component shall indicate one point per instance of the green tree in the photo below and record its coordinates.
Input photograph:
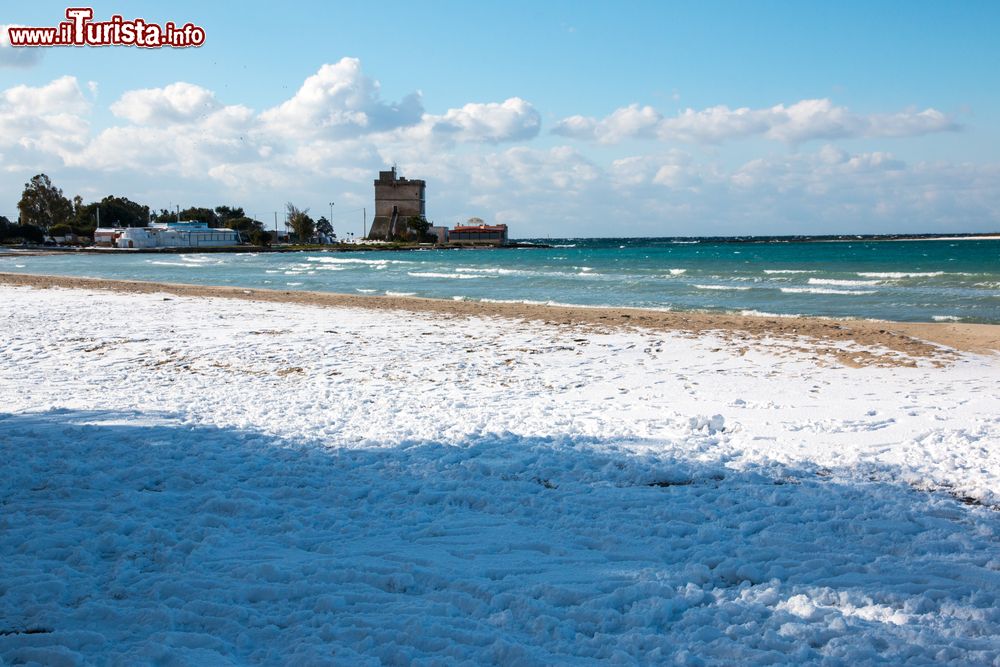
(11, 233)
(43, 204)
(163, 215)
(324, 227)
(419, 225)
(302, 225)
(225, 214)
(244, 224)
(197, 214)
(259, 237)
(112, 211)
(123, 212)
(85, 218)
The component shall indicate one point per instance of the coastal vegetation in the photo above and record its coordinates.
(44, 211)
(11, 232)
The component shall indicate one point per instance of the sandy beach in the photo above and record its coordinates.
(881, 343)
(253, 476)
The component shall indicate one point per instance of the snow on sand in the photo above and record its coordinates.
(208, 481)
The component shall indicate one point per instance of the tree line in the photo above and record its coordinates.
(44, 211)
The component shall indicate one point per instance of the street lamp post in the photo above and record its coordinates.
(331, 220)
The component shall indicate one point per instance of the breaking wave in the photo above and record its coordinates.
(824, 290)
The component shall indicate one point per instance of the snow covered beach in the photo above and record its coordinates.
(214, 481)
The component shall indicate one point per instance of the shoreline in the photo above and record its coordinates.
(518, 244)
(886, 343)
(247, 249)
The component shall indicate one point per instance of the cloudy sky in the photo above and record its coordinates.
(557, 118)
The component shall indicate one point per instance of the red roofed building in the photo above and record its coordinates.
(478, 235)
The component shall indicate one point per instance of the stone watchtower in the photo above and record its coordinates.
(396, 201)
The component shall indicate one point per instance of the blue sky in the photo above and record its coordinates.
(560, 118)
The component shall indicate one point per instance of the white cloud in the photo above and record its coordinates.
(177, 103)
(825, 169)
(339, 101)
(11, 56)
(332, 136)
(60, 96)
(190, 153)
(631, 122)
(577, 127)
(39, 122)
(513, 119)
(673, 168)
(714, 125)
(910, 123)
(796, 123)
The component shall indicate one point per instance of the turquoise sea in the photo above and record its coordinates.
(922, 280)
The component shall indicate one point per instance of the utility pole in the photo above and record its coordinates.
(331, 219)
(275, 226)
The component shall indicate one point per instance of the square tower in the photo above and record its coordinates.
(397, 200)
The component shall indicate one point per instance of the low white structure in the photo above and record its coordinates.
(107, 236)
(177, 235)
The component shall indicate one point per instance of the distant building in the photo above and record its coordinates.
(440, 234)
(107, 236)
(171, 235)
(478, 235)
(396, 200)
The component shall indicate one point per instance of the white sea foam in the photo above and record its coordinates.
(761, 313)
(779, 271)
(356, 260)
(560, 304)
(896, 275)
(527, 301)
(736, 288)
(159, 262)
(824, 290)
(293, 284)
(946, 318)
(389, 293)
(494, 270)
(432, 274)
(678, 272)
(843, 283)
(364, 290)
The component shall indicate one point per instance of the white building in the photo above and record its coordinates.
(107, 236)
(176, 235)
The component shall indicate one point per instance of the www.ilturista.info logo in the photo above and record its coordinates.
(80, 30)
